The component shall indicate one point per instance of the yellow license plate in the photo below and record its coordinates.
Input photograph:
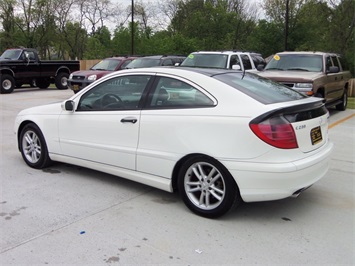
(76, 87)
(316, 135)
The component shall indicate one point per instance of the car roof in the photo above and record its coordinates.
(181, 70)
(120, 57)
(306, 53)
(226, 52)
(162, 56)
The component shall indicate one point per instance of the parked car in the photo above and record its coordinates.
(312, 73)
(239, 60)
(80, 79)
(219, 137)
(156, 60)
(20, 66)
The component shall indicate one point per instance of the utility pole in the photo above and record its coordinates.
(132, 30)
(286, 24)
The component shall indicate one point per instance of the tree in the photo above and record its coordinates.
(8, 23)
(312, 30)
(276, 11)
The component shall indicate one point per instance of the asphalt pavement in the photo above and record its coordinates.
(69, 215)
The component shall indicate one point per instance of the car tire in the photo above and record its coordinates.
(344, 102)
(206, 187)
(33, 147)
(7, 84)
(61, 81)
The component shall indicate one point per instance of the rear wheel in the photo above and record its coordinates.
(344, 102)
(33, 147)
(206, 187)
(61, 81)
(7, 84)
(43, 83)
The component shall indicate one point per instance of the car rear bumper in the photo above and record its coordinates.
(265, 181)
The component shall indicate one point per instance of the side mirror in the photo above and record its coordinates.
(333, 69)
(69, 105)
(236, 67)
(177, 64)
(260, 67)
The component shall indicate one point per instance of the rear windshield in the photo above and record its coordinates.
(260, 89)
(206, 60)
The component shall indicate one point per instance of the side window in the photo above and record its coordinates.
(173, 93)
(234, 61)
(246, 61)
(328, 63)
(335, 61)
(120, 93)
(125, 63)
(32, 56)
(258, 60)
(167, 62)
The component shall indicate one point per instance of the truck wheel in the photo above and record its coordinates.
(7, 84)
(43, 83)
(61, 81)
(344, 102)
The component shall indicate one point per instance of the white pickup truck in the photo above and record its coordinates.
(312, 73)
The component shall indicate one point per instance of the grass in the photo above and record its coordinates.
(351, 102)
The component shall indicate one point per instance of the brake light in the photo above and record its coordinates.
(276, 131)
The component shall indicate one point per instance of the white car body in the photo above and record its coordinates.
(149, 149)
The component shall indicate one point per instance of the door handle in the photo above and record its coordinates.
(129, 120)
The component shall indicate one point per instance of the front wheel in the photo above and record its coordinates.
(206, 187)
(344, 102)
(61, 81)
(7, 83)
(33, 147)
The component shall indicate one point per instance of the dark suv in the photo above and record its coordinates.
(80, 79)
(156, 60)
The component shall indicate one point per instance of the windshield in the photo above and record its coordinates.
(301, 62)
(206, 60)
(12, 54)
(143, 62)
(106, 64)
(261, 89)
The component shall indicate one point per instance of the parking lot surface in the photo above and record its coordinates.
(68, 215)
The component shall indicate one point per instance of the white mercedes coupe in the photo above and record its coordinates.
(219, 137)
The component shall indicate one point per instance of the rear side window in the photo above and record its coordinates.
(174, 93)
(260, 89)
(335, 61)
(246, 61)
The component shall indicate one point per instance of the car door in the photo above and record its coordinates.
(172, 110)
(29, 67)
(332, 92)
(104, 127)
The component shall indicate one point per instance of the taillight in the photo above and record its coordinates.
(276, 131)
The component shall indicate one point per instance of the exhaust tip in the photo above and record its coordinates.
(298, 192)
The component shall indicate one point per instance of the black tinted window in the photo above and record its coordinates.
(260, 89)
(119, 93)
